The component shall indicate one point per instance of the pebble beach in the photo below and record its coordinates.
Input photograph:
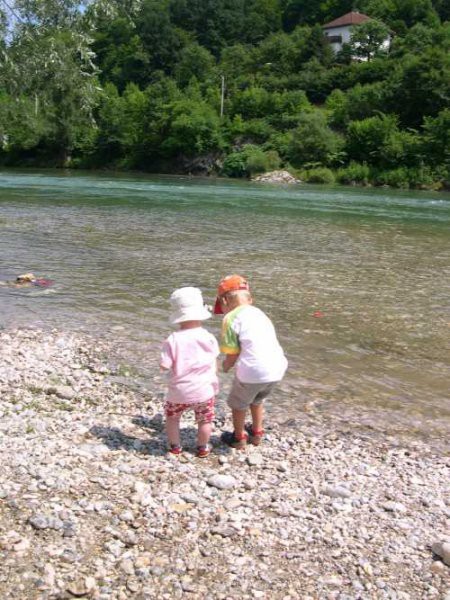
(91, 505)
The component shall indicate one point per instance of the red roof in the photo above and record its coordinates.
(351, 18)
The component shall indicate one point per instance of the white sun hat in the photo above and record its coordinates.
(187, 305)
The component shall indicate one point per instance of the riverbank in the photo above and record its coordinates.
(91, 506)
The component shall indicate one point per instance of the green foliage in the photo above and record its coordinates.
(195, 62)
(137, 84)
(354, 173)
(249, 161)
(318, 175)
(378, 141)
(192, 127)
(436, 139)
(313, 141)
(369, 39)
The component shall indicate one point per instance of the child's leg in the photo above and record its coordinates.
(204, 433)
(173, 413)
(238, 422)
(204, 415)
(173, 430)
(257, 416)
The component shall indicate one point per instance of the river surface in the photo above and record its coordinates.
(356, 281)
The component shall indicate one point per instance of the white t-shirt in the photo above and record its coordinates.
(249, 332)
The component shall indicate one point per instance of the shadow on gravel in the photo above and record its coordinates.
(156, 442)
(115, 439)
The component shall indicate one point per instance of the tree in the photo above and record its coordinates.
(400, 14)
(195, 61)
(160, 38)
(50, 62)
(313, 141)
(121, 56)
(369, 39)
(420, 86)
(436, 139)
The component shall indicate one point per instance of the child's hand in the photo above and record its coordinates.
(229, 362)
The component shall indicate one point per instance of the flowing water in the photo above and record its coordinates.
(356, 281)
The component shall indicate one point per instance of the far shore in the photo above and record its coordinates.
(266, 177)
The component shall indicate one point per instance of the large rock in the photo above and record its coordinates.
(442, 549)
(222, 482)
(277, 177)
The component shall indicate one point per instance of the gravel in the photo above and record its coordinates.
(92, 506)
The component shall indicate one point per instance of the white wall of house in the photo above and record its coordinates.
(345, 33)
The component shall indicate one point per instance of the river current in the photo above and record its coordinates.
(356, 281)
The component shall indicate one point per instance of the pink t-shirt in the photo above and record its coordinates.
(191, 356)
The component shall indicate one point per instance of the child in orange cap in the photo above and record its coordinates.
(250, 344)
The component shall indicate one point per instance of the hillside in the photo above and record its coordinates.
(229, 87)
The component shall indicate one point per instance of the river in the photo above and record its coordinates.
(357, 281)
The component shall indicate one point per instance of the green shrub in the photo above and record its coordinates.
(318, 175)
(354, 173)
(235, 165)
(250, 160)
(397, 178)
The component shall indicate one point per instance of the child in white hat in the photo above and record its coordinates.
(190, 354)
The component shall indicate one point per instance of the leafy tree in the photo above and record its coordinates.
(120, 53)
(420, 86)
(50, 62)
(378, 141)
(313, 141)
(436, 139)
(193, 127)
(442, 7)
(160, 38)
(369, 39)
(401, 13)
(195, 61)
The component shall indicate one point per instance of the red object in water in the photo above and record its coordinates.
(318, 314)
(42, 282)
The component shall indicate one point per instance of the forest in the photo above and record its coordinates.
(229, 88)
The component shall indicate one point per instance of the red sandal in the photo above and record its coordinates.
(203, 451)
(254, 437)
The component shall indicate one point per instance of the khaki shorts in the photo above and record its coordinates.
(243, 395)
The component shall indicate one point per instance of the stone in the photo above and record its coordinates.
(78, 588)
(222, 482)
(224, 531)
(442, 549)
(22, 545)
(336, 491)
(64, 392)
(396, 507)
(255, 460)
(39, 521)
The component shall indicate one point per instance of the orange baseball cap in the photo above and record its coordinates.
(231, 283)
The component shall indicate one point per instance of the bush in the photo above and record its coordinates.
(397, 178)
(318, 175)
(313, 141)
(250, 160)
(354, 173)
(235, 165)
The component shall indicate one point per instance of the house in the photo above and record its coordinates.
(339, 31)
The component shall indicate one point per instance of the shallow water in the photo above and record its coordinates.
(376, 263)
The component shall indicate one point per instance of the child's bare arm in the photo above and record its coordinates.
(229, 362)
